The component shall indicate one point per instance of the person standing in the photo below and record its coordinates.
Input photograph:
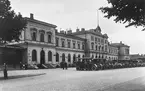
(62, 65)
(21, 65)
(65, 64)
(5, 71)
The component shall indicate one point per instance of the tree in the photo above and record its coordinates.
(11, 24)
(126, 11)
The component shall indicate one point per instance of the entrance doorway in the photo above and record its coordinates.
(63, 57)
(42, 57)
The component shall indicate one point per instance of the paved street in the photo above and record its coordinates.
(132, 79)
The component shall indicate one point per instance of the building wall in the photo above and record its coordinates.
(66, 52)
(37, 44)
(29, 30)
(69, 50)
(124, 53)
(39, 49)
(96, 46)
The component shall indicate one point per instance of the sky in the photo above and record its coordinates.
(72, 14)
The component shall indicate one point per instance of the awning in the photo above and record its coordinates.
(11, 46)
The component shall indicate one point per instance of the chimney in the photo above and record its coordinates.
(31, 16)
(82, 29)
(120, 42)
(69, 31)
(62, 31)
(77, 30)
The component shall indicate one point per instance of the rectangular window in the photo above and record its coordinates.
(63, 42)
(83, 46)
(106, 48)
(78, 46)
(68, 44)
(92, 44)
(74, 45)
(99, 40)
(95, 40)
(92, 38)
(42, 37)
(57, 41)
(49, 38)
(34, 36)
(102, 41)
(105, 41)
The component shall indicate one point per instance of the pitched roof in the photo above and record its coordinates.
(91, 31)
(119, 45)
(69, 36)
(40, 22)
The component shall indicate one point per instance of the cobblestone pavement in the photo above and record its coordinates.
(132, 79)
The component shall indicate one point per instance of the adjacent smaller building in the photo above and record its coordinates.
(137, 57)
(123, 50)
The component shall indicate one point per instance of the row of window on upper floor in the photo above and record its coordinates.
(69, 44)
(113, 50)
(98, 47)
(98, 40)
(127, 51)
(41, 35)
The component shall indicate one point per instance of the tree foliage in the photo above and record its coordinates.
(126, 11)
(11, 24)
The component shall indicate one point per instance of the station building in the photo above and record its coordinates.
(43, 44)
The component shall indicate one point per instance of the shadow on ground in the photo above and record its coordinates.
(21, 76)
(136, 84)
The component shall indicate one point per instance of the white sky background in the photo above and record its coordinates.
(82, 14)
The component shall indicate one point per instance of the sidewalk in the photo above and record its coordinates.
(14, 74)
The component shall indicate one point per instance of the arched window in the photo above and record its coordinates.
(74, 58)
(92, 56)
(34, 55)
(69, 58)
(42, 57)
(79, 57)
(49, 56)
(96, 56)
(83, 57)
(42, 37)
(63, 57)
(57, 57)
